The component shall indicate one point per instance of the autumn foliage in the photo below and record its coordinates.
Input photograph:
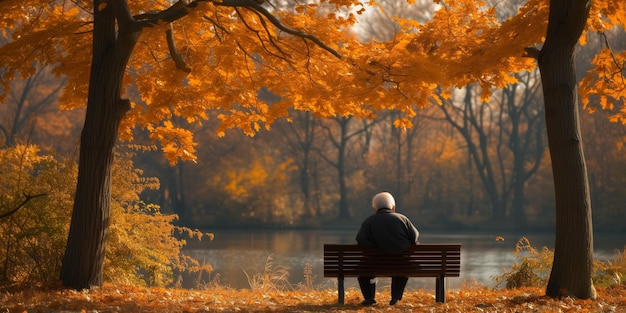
(116, 298)
(34, 235)
(144, 245)
(224, 53)
(225, 67)
(605, 86)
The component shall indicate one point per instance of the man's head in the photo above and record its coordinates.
(383, 200)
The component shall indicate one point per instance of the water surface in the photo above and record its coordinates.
(233, 253)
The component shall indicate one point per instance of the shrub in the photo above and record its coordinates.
(33, 233)
(611, 271)
(142, 247)
(532, 268)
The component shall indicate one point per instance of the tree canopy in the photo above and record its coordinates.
(224, 52)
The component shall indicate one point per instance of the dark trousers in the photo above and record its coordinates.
(368, 287)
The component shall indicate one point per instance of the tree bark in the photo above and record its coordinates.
(112, 46)
(573, 251)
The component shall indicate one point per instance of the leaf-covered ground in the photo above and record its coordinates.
(112, 298)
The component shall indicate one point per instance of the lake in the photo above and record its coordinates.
(233, 253)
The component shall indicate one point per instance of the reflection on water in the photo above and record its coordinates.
(233, 253)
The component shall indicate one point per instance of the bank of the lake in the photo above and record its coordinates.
(236, 254)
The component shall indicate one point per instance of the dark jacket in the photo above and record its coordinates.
(388, 231)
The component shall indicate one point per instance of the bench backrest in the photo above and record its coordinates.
(421, 260)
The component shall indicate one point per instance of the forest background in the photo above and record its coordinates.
(467, 164)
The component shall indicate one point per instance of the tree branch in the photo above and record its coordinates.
(178, 58)
(175, 12)
(532, 52)
(28, 198)
(182, 8)
(253, 5)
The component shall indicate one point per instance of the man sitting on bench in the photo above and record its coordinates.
(390, 232)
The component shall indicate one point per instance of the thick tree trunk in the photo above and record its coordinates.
(112, 46)
(573, 251)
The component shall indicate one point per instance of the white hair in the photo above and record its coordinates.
(383, 200)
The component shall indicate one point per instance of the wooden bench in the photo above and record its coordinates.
(421, 260)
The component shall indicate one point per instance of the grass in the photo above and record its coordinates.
(273, 278)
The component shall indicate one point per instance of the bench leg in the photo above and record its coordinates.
(340, 290)
(440, 290)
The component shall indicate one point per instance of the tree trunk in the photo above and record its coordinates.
(180, 199)
(305, 185)
(573, 251)
(519, 157)
(344, 210)
(478, 150)
(84, 254)
(306, 145)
